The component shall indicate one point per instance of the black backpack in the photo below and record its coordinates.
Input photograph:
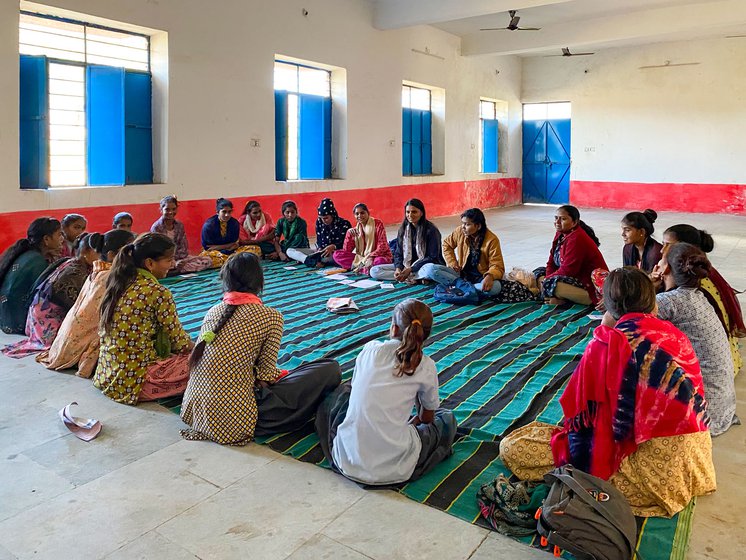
(586, 516)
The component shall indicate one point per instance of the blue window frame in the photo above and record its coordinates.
(85, 104)
(488, 137)
(417, 120)
(303, 122)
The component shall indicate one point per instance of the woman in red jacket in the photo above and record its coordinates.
(574, 256)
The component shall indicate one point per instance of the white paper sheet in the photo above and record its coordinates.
(387, 286)
(346, 281)
(337, 277)
(290, 267)
(365, 283)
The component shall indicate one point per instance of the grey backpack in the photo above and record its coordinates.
(586, 516)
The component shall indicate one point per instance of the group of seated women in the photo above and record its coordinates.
(656, 378)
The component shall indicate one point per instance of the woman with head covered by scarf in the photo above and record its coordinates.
(330, 235)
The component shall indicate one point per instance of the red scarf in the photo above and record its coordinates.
(240, 298)
(635, 382)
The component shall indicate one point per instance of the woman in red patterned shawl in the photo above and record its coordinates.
(634, 409)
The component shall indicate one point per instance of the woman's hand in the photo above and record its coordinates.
(487, 282)
(456, 268)
(328, 250)
(402, 275)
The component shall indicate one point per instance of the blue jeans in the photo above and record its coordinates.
(445, 275)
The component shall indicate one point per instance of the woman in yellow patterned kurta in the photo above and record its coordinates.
(236, 390)
(140, 328)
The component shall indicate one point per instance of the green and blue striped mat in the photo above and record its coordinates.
(500, 367)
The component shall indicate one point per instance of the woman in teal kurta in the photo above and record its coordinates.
(20, 266)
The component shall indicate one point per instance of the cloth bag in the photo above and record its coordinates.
(459, 292)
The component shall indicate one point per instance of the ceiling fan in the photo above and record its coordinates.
(513, 25)
(566, 52)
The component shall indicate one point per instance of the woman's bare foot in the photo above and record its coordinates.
(273, 256)
(555, 301)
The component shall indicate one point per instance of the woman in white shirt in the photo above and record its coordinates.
(366, 428)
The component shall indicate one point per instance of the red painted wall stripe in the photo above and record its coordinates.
(671, 197)
(385, 203)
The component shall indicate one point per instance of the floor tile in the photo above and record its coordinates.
(222, 465)
(124, 439)
(500, 547)
(149, 546)
(100, 517)
(26, 484)
(404, 526)
(268, 514)
(320, 547)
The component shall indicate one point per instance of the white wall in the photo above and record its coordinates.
(219, 90)
(676, 124)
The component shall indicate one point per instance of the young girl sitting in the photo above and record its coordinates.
(365, 427)
(122, 220)
(140, 326)
(682, 267)
(291, 230)
(220, 234)
(235, 390)
(365, 245)
(56, 291)
(169, 226)
(258, 230)
(20, 266)
(77, 340)
(72, 226)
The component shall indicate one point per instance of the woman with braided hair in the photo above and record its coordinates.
(236, 391)
(144, 349)
(682, 268)
(365, 428)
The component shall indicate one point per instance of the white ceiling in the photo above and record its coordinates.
(578, 24)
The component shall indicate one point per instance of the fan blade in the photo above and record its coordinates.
(494, 29)
(514, 21)
(526, 29)
(566, 51)
(582, 53)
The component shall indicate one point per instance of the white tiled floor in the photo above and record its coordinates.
(140, 491)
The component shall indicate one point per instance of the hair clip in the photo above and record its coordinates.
(207, 336)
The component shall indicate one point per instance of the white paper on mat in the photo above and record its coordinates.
(365, 283)
(337, 277)
(387, 286)
(596, 317)
(290, 267)
(346, 281)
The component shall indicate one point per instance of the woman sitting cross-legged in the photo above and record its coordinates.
(682, 268)
(365, 428)
(365, 245)
(21, 265)
(144, 348)
(172, 228)
(258, 230)
(572, 259)
(77, 340)
(417, 244)
(291, 231)
(634, 409)
(220, 235)
(330, 235)
(236, 390)
(56, 291)
(715, 287)
(472, 252)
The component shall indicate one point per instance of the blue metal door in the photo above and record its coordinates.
(546, 161)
